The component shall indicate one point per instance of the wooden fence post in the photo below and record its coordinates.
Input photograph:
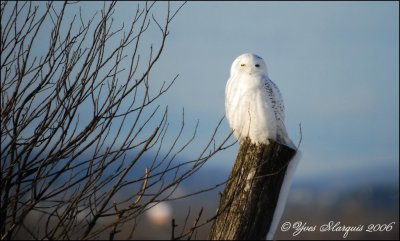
(250, 197)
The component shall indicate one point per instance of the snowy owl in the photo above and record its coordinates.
(254, 108)
(253, 103)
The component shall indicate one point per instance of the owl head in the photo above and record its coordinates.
(249, 64)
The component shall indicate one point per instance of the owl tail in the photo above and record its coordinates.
(283, 194)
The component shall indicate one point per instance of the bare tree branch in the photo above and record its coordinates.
(81, 118)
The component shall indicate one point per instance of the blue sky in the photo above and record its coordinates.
(336, 65)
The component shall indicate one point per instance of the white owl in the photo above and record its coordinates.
(253, 103)
(254, 108)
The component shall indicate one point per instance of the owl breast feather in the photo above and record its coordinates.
(249, 109)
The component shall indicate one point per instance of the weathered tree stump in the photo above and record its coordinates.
(250, 197)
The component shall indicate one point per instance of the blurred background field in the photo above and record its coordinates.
(316, 201)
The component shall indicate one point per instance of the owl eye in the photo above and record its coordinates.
(242, 65)
(257, 65)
